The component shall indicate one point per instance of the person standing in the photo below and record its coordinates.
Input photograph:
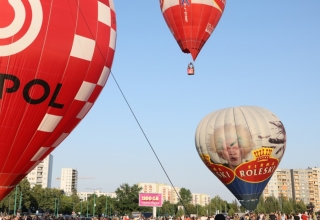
(304, 216)
(283, 216)
(272, 216)
(296, 217)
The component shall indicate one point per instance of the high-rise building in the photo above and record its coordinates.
(68, 180)
(284, 181)
(42, 173)
(314, 184)
(298, 184)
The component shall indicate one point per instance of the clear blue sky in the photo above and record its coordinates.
(262, 53)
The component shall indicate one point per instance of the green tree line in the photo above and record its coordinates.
(49, 200)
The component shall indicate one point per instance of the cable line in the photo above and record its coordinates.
(144, 134)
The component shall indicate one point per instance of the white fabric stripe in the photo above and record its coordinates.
(40, 153)
(49, 123)
(104, 14)
(60, 139)
(169, 3)
(104, 76)
(82, 48)
(205, 2)
(84, 110)
(113, 37)
(111, 5)
(85, 91)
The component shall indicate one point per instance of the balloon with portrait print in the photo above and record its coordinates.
(242, 147)
(55, 58)
(192, 21)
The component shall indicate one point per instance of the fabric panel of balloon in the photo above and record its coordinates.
(55, 58)
(242, 147)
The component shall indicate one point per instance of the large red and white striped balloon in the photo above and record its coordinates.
(55, 58)
(192, 21)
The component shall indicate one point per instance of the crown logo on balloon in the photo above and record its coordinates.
(262, 154)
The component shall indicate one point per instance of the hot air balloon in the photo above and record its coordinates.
(192, 22)
(242, 147)
(55, 58)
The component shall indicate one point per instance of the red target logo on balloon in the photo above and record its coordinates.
(18, 32)
(55, 59)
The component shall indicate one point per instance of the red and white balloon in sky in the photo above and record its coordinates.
(55, 58)
(192, 21)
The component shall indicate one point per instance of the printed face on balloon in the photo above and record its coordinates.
(231, 143)
(242, 147)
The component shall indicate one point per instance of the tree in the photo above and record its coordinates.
(66, 204)
(43, 199)
(23, 192)
(271, 204)
(231, 212)
(300, 207)
(127, 199)
(191, 209)
(201, 210)
(219, 204)
(287, 206)
(185, 196)
(261, 206)
(234, 205)
(242, 209)
(168, 208)
(180, 212)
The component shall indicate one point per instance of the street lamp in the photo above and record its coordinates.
(80, 207)
(106, 214)
(15, 201)
(20, 202)
(9, 204)
(56, 205)
(197, 210)
(94, 200)
(87, 207)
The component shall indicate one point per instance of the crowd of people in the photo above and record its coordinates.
(245, 216)
(277, 216)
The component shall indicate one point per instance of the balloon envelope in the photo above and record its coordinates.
(192, 21)
(242, 147)
(55, 58)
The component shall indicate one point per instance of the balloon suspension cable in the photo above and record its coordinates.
(144, 134)
(150, 145)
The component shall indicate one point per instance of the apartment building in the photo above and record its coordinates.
(314, 184)
(200, 199)
(298, 184)
(68, 180)
(85, 195)
(284, 182)
(42, 173)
